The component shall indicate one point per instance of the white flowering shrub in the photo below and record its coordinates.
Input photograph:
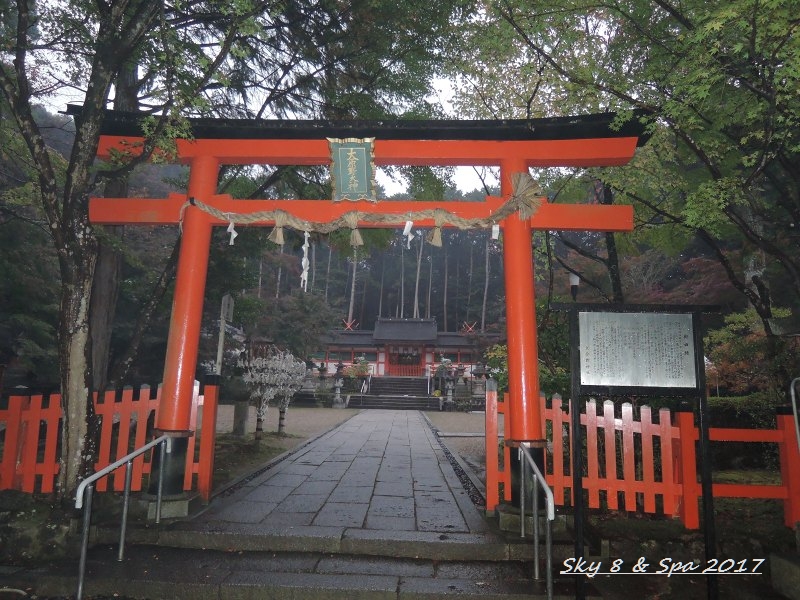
(276, 374)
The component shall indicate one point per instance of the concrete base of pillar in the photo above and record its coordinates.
(172, 507)
(508, 519)
(174, 467)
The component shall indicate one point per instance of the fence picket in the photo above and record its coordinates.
(648, 463)
(610, 448)
(30, 425)
(206, 455)
(29, 443)
(594, 483)
(628, 456)
(49, 466)
(687, 473)
(667, 433)
(124, 409)
(556, 477)
(147, 406)
(13, 420)
(192, 467)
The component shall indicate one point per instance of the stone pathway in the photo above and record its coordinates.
(381, 470)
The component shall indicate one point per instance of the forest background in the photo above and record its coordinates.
(716, 189)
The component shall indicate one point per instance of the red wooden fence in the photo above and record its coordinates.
(648, 466)
(405, 370)
(501, 474)
(30, 430)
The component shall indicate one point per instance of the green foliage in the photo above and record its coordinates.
(359, 368)
(745, 360)
(756, 410)
(496, 358)
(717, 82)
(427, 183)
(296, 321)
(29, 276)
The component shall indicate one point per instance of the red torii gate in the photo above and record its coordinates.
(514, 146)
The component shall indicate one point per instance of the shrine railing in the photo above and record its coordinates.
(405, 370)
(647, 465)
(31, 431)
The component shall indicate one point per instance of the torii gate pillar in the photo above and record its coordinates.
(525, 414)
(187, 306)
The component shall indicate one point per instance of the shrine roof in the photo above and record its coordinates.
(591, 126)
(359, 338)
(405, 330)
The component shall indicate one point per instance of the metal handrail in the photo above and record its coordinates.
(86, 488)
(538, 479)
(794, 409)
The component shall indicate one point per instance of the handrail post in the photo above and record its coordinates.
(162, 458)
(87, 523)
(536, 528)
(548, 534)
(520, 454)
(125, 502)
(83, 500)
(527, 460)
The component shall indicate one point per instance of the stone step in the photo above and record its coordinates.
(394, 402)
(384, 386)
(154, 572)
(455, 546)
(305, 398)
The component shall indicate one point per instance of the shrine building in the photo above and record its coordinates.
(404, 347)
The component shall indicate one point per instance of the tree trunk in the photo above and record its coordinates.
(353, 286)
(402, 279)
(328, 271)
(485, 284)
(260, 276)
(79, 425)
(380, 295)
(313, 264)
(606, 196)
(123, 364)
(281, 421)
(280, 273)
(444, 291)
(614, 272)
(416, 282)
(430, 286)
(469, 283)
(105, 288)
(105, 291)
(363, 299)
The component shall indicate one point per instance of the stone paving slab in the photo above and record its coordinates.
(389, 461)
(158, 573)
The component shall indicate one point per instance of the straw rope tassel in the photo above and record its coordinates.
(527, 193)
(351, 219)
(276, 235)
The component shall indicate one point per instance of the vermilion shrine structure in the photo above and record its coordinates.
(512, 145)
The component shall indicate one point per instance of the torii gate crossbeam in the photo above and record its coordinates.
(514, 146)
